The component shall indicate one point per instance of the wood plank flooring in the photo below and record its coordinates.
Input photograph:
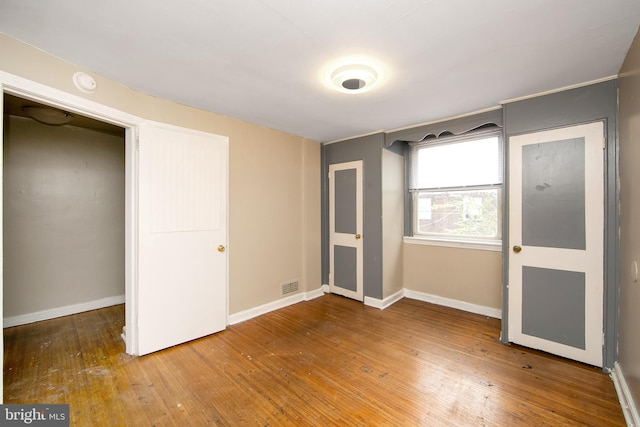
(329, 361)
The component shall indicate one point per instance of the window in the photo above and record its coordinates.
(456, 186)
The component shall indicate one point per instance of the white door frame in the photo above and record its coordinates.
(346, 239)
(28, 89)
(589, 260)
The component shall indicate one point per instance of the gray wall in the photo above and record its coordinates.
(581, 105)
(369, 150)
(63, 216)
(629, 317)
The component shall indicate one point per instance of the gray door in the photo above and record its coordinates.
(556, 225)
(345, 229)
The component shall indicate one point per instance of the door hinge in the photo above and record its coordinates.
(603, 342)
(604, 143)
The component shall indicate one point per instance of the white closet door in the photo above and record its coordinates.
(182, 201)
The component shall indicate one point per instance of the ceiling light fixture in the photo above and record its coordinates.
(353, 75)
(48, 116)
(354, 78)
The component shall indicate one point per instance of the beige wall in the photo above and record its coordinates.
(629, 297)
(312, 245)
(468, 275)
(63, 216)
(271, 179)
(392, 222)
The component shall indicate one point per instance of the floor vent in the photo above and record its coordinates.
(289, 287)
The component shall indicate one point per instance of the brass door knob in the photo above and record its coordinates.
(221, 248)
(358, 236)
(517, 249)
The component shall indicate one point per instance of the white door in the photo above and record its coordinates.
(345, 229)
(182, 226)
(556, 226)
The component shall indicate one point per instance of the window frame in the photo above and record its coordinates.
(450, 240)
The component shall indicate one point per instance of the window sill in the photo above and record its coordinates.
(495, 246)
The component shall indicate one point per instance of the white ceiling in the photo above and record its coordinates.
(261, 60)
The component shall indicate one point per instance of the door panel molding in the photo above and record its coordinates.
(589, 261)
(182, 271)
(347, 240)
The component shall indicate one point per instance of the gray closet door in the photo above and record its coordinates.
(345, 229)
(556, 223)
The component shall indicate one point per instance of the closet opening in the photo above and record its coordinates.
(64, 237)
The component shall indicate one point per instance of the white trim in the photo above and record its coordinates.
(353, 137)
(386, 302)
(560, 89)
(497, 107)
(446, 119)
(273, 305)
(371, 302)
(351, 240)
(316, 293)
(452, 303)
(52, 313)
(587, 261)
(627, 403)
(22, 87)
(326, 289)
(495, 246)
(473, 113)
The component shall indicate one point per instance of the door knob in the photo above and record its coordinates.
(221, 248)
(517, 249)
(358, 236)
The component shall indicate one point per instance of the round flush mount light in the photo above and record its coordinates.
(353, 75)
(354, 78)
(48, 116)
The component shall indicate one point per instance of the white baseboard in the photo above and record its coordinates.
(371, 302)
(314, 294)
(23, 319)
(274, 305)
(627, 403)
(386, 302)
(460, 305)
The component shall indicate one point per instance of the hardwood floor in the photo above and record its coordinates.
(329, 361)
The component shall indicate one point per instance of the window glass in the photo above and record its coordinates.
(457, 188)
(473, 162)
(464, 213)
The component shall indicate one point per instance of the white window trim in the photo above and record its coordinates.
(482, 245)
(461, 242)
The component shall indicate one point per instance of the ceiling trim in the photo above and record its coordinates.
(446, 119)
(354, 137)
(561, 89)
